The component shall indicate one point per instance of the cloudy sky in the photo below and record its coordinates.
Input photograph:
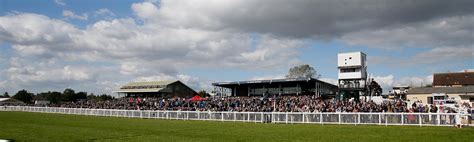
(95, 46)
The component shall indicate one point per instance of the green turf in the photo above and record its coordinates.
(24, 126)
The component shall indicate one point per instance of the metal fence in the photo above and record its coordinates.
(419, 119)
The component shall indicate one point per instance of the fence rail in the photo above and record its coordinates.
(419, 119)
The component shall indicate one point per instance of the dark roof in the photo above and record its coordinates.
(429, 90)
(458, 78)
(268, 81)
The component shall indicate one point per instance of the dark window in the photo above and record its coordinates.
(348, 70)
(430, 100)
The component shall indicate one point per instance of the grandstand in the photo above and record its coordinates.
(296, 86)
(156, 89)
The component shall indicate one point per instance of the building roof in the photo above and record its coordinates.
(151, 83)
(457, 78)
(138, 90)
(429, 90)
(9, 100)
(142, 87)
(268, 81)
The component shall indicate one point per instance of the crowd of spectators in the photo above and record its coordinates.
(255, 104)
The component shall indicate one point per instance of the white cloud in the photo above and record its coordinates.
(175, 35)
(415, 81)
(138, 50)
(34, 29)
(446, 56)
(386, 82)
(71, 15)
(32, 75)
(145, 10)
(60, 2)
(104, 12)
(442, 32)
(389, 81)
(317, 18)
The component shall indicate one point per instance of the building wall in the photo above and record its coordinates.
(424, 97)
(351, 65)
(419, 97)
(303, 88)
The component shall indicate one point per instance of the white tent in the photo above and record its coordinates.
(10, 101)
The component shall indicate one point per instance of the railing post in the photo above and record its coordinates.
(286, 117)
(255, 117)
(273, 116)
(222, 116)
(321, 118)
(262, 119)
(303, 117)
(248, 116)
(439, 119)
(402, 117)
(359, 117)
(339, 117)
(419, 118)
(199, 115)
(158, 112)
(235, 116)
(380, 118)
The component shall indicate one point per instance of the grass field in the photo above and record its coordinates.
(25, 126)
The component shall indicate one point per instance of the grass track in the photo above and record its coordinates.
(26, 126)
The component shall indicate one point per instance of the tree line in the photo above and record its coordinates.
(55, 97)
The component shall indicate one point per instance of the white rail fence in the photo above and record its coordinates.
(419, 119)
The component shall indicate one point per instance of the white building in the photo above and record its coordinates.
(352, 74)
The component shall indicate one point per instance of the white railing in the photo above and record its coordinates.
(419, 119)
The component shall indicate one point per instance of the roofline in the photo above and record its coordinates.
(268, 80)
(433, 90)
(452, 72)
(170, 82)
(353, 52)
(186, 86)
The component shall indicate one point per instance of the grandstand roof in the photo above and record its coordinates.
(138, 90)
(3, 99)
(151, 83)
(268, 81)
(142, 87)
(10, 100)
(429, 90)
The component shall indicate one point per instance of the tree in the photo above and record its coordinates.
(68, 95)
(375, 89)
(54, 97)
(80, 96)
(91, 97)
(302, 71)
(203, 94)
(5, 95)
(24, 96)
(105, 97)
